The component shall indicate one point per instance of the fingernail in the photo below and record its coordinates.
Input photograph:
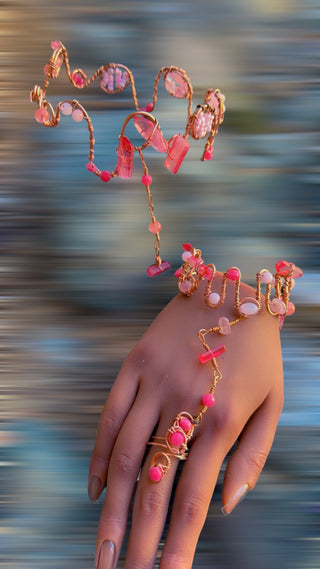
(106, 555)
(236, 498)
(95, 488)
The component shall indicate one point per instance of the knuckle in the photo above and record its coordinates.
(257, 460)
(175, 559)
(108, 423)
(192, 510)
(151, 503)
(123, 462)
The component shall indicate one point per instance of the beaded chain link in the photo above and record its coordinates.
(114, 78)
(190, 274)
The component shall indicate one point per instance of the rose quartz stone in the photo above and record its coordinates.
(214, 298)
(125, 152)
(266, 277)
(155, 269)
(146, 128)
(176, 85)
(224, 326)
(178, 148)
(278, 306)
(249, 307)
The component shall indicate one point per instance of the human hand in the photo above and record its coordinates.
(161, 377)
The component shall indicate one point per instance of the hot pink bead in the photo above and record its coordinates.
(208, 154)
(185, 424)
(187, 247)
(155, 269)
(149, 107)
(105, 176)
(208, 400)
(146, 180)
(233, 274)
(91, 167)
(286, 269)
(212, 354)
(178, 273)
(42, 115)
(155, 227)
(77, 79)
(178, 148)
(155, 474)
(177, 439)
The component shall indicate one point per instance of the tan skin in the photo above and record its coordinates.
(161, 377)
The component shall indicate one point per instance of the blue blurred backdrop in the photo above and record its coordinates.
(75, 296)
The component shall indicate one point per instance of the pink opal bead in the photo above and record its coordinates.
(77, 115)
(214, 298)
(208, 400)
(212, 354)
(224, 326)
(66, 109)
(249, 307)
(155, 474)
(177, 439)
(186, 255)
(146, 180)
(233, 274)
(155, 269)
(42, 115)
(266, 277)
(155, 227)
(178, 148)
(185, 286)
(278, 306)
(185, 424)
(105, 176)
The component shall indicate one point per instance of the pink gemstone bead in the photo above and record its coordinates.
(233, 274)
(185, 424)
(66, 108)
(155, 474)
(208, 400)
(145, 127)
(125, 152)
(177, 439)
(55, 44)
(178, 148)
(212, 354)
(78, 80)
(185, 286)
(149, 107)
(266, 277)
(42, 115)
(286, 269)
(155, 227)
(146, 180)
(176, 85)
(208, 273)
(291, 309)
(187, 247)
(178, 273)
(155, 269)
(208, 154)
(105, 176)
(186, 256)
(214, 298)
(278, 306)
(224, 326)
(249, 307)
(77, 115)
(91, 167)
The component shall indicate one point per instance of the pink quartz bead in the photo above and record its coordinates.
(155, 227)
(185, 286)
(214, 298)
(212, 354)
(77, 115)
(266, 277)
(148, 131)
(291, 309)
(155, 473)
(249, 307)
(155, 269)
(187, 247)
(176, 85)
(178, 148)
(42, 115)
(208, 400)
(185, 424)
(146, 180)
(186, 256)
(278, 306)
(233, 274)
(105, 176)
(66, 108)
(125, 152)
(177, 439)
(224, 326)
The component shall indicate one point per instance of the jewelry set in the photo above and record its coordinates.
(202, 123)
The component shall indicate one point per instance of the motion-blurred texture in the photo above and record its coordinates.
(75, 296)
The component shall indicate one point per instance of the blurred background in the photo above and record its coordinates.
(75, 295)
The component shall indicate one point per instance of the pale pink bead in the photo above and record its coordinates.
(266, 277)
(42, 115)
(186, 256)
(291, 309)
(185, 286)
(185, 424)
(77, 115)
(155, 227)
(233, 274)
(177, 439)
(155, 474)
(278, 306)
(214, 298)
(224, 326)
(208, 400)
(249, 307)
(66, 108)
